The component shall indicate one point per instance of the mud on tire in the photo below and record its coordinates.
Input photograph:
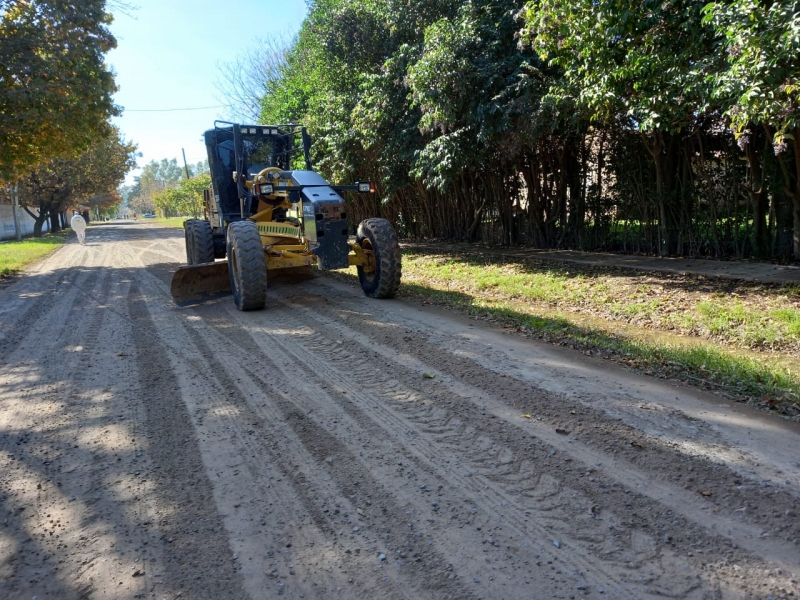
(379, 236)
(247, 266)
(199, 241)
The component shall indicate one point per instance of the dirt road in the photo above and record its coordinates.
(333, 446)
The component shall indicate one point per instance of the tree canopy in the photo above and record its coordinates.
(163, 184)
(91, 178)
(185, 198)
(664, 127)
(55, 89)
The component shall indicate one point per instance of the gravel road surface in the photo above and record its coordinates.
(333, 446)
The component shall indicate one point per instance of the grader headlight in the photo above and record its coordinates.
(264, 189)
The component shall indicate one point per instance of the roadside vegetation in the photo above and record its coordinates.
(15, 256)
(168, 190)
(669, 129)
(58, 147)
(738, 339)
(171, 222)
(734, 313)
(663, 128)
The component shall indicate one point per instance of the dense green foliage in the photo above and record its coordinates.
(55, 89)
(186, 198)
(667, 127)
(168, 187)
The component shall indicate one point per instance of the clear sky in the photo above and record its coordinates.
(166, 57)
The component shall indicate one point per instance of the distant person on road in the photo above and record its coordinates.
(78, 225)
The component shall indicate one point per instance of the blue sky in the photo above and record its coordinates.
(166, 57)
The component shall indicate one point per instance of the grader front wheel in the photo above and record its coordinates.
(247, 266)
(199, 241)
(381, 277)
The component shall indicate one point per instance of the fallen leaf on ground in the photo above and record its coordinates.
(706, 492)
(527, 416)
(428, 376)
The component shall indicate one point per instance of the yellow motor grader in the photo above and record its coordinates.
(266, 217)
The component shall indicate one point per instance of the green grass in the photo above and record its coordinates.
(760, 317)
(172, 222)
(706, 362)
(627, 320)
(14, 256)
(790, 318)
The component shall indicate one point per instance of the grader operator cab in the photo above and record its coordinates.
(266, 216)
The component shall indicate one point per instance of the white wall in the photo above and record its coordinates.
(25, 220)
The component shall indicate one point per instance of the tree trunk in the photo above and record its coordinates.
(795, 193)
(15, 210)
(655, 148)
(577, 208)
(40, 219)
(55, 225)
(476, 222)
(758, 197)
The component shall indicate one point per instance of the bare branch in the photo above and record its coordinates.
(247, 79)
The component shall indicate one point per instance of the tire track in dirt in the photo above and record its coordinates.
(468, 445)
(116, 514)
(29, 509)
(593, 428)
(179, 337)
(312, 445)
(299, 390)
(43, 289)
(58, 395)
(224, 352)
(443, 422)
(53, 289)
(89, 510)
(111, 518)
(85, 408)
(183, 489)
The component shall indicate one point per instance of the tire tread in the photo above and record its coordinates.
(246, 244)
(385, 244)
(201, 248)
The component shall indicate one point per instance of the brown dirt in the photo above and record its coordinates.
(301, 451)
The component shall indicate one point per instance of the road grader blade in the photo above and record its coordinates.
(193, 284)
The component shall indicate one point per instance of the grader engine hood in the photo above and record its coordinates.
(324, 220)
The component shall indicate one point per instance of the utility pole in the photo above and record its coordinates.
(15, 210)
(185, 166)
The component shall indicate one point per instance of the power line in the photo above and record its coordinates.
(172, 109)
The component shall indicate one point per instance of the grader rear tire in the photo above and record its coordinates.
(247, 266)
(199, 241)
(188, 235)
(379, 236)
